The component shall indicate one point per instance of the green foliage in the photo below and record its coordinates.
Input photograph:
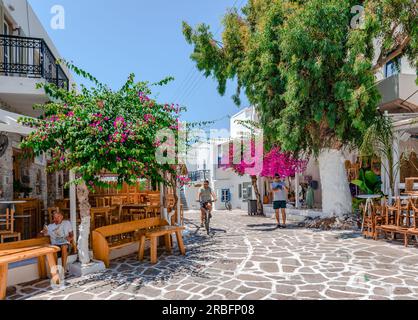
(378, 140)
(309, 75)
(368, 182)
(99, 130)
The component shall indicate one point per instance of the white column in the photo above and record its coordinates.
(396, 161)
(297, 203)
(73, 204)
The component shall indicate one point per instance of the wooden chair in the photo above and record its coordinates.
(25, 216)
(116, 210)
(414, 230)
(103, 202)
(99, 217)
(60, 203)
(7, 227)
(51, 212)
(133, 198)
(397, 220)
(380, 216)
(409, 185)
(368, 225)
(388, 223)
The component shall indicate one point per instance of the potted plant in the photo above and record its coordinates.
(21, 190)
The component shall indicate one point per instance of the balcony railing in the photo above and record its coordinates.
(201, 175)
(31, 58)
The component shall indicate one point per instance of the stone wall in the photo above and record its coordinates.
(6, 171)
(35, 172)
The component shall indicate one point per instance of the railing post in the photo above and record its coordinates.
(42, 59)
(56, 74)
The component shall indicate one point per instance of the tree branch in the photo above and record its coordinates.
(395, 53)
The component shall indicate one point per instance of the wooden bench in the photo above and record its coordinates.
(102, 247)
(24, 250)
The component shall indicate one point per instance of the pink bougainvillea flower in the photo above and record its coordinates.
(149, 118)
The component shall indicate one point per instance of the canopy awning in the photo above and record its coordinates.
(8, 123)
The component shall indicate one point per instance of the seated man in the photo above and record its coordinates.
(61, 234)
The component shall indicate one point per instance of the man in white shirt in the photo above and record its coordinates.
(205, 197)
(61, 234)
(279, 199)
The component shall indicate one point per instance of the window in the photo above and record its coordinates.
(240, 191)
(392, 68)
(226, 195)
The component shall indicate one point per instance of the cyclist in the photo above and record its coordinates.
(205, 197)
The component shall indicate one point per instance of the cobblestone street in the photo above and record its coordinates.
(249, 258)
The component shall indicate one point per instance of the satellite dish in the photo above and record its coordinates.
(4, 143)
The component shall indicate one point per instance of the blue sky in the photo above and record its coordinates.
(112, 38)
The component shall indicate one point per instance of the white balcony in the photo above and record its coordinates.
(399, 94)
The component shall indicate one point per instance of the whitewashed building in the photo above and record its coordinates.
(27, 57)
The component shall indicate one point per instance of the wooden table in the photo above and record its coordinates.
(22, 254)
(12, 204)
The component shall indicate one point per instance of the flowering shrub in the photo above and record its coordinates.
(101, 130)
(258, 163)
(183, 181)
(254, 162)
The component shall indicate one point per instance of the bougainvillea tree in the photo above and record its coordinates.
(99, 130)
(250, 159)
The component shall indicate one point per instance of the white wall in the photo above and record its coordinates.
(406, 66)
(24, 17)
(237, 130)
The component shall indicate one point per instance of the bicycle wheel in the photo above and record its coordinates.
(207, 222)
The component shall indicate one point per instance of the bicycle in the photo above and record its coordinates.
(228, 205)
(208, 216)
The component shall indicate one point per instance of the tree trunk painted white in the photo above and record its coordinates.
(336, 196)
(260, 207)
(73, 204)
(84, 231)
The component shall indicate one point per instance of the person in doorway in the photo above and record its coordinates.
(279, 199)
(205, 196)
(61, 233)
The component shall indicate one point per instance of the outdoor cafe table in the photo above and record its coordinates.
(25, 218)
(368, 212)
(12, 204)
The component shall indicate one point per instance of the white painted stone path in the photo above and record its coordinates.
(249, 258)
